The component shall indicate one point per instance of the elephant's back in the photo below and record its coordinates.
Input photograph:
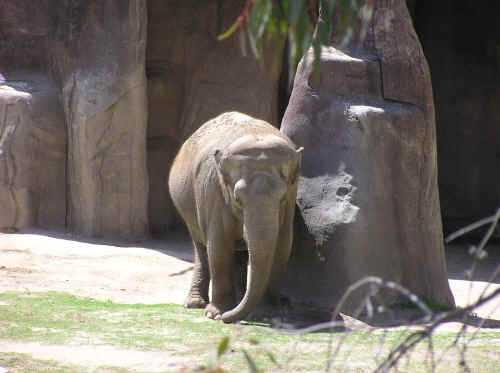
(223, 130)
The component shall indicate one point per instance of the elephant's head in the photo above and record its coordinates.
(258, 176)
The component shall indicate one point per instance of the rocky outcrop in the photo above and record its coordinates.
(74, 116)
(368, 199)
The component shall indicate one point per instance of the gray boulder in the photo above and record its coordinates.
(368, 200)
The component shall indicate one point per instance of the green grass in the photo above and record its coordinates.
(60, 319)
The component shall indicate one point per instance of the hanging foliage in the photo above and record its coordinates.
(301, 23)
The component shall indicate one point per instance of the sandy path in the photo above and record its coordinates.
(92, 357)
(122, 274)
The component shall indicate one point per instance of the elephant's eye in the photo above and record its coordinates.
(237, 201)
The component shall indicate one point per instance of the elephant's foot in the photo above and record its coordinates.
(195, 301)
(214, 311)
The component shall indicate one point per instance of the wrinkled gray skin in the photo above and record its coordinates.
(234, 183)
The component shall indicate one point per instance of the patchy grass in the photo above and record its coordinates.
(61, 319)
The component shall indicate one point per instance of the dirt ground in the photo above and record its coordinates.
(151, 272)
(154, 272)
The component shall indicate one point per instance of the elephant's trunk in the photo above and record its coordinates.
(261, 234)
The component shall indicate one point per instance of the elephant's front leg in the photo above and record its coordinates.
(198, 292)
(239, 274)
(281, 257)
(221, 261)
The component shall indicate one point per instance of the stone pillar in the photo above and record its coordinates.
(100, 61)
(368, 200)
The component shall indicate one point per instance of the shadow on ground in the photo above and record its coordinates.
(178, 245)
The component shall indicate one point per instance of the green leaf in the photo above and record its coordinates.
(254, 17)
(284, 26)
(324, 27)
(253, 43)
(344, 13)
(265, 17)
(229, 32)
(270, 23)
(296, 9)
(278, 59)
(292, 56)
(223, 346)
(303, 34)
(251, 363)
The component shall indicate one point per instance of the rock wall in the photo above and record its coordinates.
(76, 71)
(192, 78)
(74, 116)
(368, 200)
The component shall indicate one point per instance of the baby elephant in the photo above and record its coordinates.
(234, 182)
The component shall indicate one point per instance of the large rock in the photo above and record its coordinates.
(192, 78)
(368, 200)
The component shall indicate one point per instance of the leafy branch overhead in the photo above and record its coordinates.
(301, 23)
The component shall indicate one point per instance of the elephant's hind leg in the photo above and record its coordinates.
(198, 292)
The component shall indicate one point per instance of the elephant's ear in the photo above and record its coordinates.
(221, 175)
